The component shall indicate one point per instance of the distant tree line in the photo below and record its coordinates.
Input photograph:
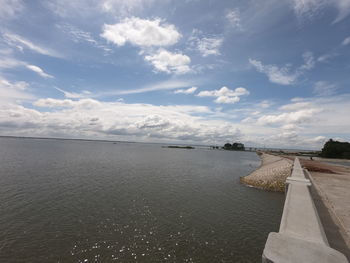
(335, 149)
(236, 146)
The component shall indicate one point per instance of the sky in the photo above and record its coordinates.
(272, 73)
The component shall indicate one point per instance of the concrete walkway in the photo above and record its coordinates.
(331, 192)
(301, 237)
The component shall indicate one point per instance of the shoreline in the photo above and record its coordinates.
(271, 175)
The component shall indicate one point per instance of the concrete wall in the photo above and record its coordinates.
(301, 237)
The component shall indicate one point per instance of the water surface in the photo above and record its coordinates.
(81, 201)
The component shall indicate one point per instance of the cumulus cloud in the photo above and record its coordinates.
(311, 8)
(142, 122)
(186, 91)
(297, 117)
(39, 71)
(284, 75)
(225, 95)
(67, 103)
(169, 62)
(305, 117)
(298, 124)
(141, 32)
(22, 43)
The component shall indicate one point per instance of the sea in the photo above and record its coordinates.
(99, 201)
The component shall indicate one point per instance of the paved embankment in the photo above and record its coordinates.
(301, 237)
(331, 184)
(271, 175)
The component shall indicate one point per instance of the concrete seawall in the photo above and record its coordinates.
(301, 237)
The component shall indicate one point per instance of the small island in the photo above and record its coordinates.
(236, 146)
(178, 147)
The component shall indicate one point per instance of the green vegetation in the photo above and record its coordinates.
(179, 147)
(234, 147)
(335, 149)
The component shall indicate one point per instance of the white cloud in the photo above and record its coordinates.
(166, 61)
(142, 122)
(284, 75)
(297, 117)
(10, 8)
(308, 8)
(89, 9)
(326, 57)
(126, 7)
(296, 106)
(302, 122)
(22, 43)
(39, 71)
(209, 46)
(78, 36)
(265, 104)
(13, 91)
(309, 62)
(67, 103)
(233, 16)
(158, 86)
(186, 91)
(204, 44)
(324, 88)
(311, 8)
(164, 85)
(141, 32)
(9, 63)
(346, 41)
(319, 139)
(225, 95)
(293, 125)
(74, 95)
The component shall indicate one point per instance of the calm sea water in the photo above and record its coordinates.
(79, 201)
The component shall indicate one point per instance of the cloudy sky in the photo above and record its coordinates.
(271, 73)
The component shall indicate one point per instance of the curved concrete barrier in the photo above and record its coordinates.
(301, 237)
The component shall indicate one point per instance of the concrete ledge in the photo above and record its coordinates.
(291, 180)
(283, 248)
(300, 217)
(301, 236)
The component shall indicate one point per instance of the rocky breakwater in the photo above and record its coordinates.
(271, 175)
